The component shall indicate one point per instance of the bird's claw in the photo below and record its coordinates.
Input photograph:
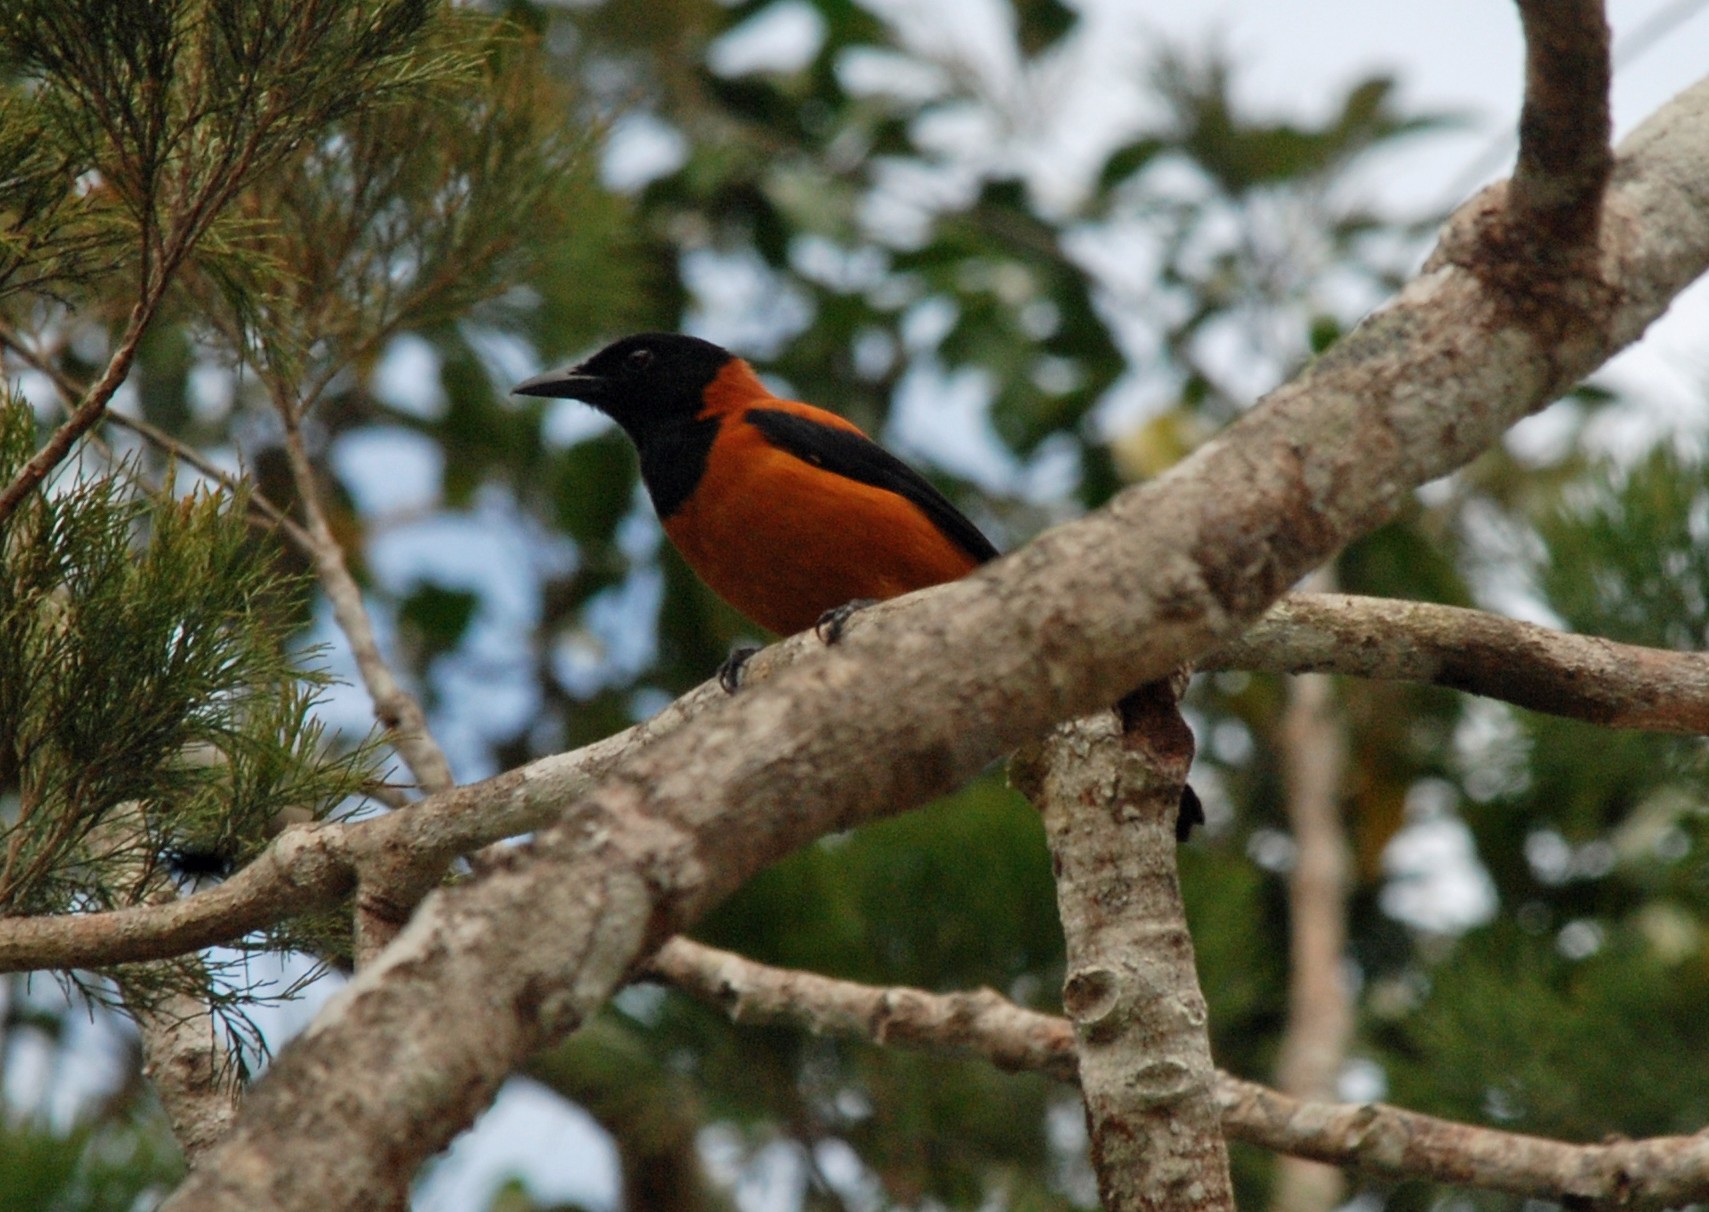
(730, 672)
(830, 626)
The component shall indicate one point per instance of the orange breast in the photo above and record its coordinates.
(784, 541)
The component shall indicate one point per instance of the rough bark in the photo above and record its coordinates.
(185, 1061)
(978, 1023)
(314, 866)
(1565, 126)
(1109, 788)
(182, 1055)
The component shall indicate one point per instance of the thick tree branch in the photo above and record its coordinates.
(1108, 788)
(313, 867)
(1371, 1138)
(1579, 677)
(1538, 242)
(939, 687)
(185, 1061)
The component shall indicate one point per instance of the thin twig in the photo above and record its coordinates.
(183, 452)
(395, 707)
(88, 411)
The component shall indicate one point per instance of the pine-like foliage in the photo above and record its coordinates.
(150, 703)
(129, 126)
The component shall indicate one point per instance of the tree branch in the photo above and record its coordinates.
(306, 867)
(88, 411)
(1564, 128)
(982, 1023)
(381, 906)
(1579, 677)
(185, 1062)
(1109, 789)
(1538, 242)
(182, 1056)
(1371, 1138)
(1388, 1142)
(396, 708)
(313, 867)
(1313, 751)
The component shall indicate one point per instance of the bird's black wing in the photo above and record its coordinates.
(849, 454)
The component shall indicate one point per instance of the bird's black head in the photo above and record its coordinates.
(639, 381)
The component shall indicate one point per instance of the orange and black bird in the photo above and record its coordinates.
(790, 513)
(787, 511)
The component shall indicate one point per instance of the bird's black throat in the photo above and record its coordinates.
(673, 451)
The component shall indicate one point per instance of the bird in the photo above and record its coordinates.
(788, 512)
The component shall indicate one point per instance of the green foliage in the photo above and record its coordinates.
(1242, 156)
(437, 616)
(149, 700)
(110, 1166)
(1516, 1035)
(1628, 552)
(170, 108)
(403, 213)
(895, 903)
(49, 235)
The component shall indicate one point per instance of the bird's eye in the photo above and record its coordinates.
(640, 359)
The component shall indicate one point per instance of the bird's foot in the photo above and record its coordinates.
(730, 672)
(830, 626)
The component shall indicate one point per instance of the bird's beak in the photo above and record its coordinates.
(569, 384)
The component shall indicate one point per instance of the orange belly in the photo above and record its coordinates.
(784, 541)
